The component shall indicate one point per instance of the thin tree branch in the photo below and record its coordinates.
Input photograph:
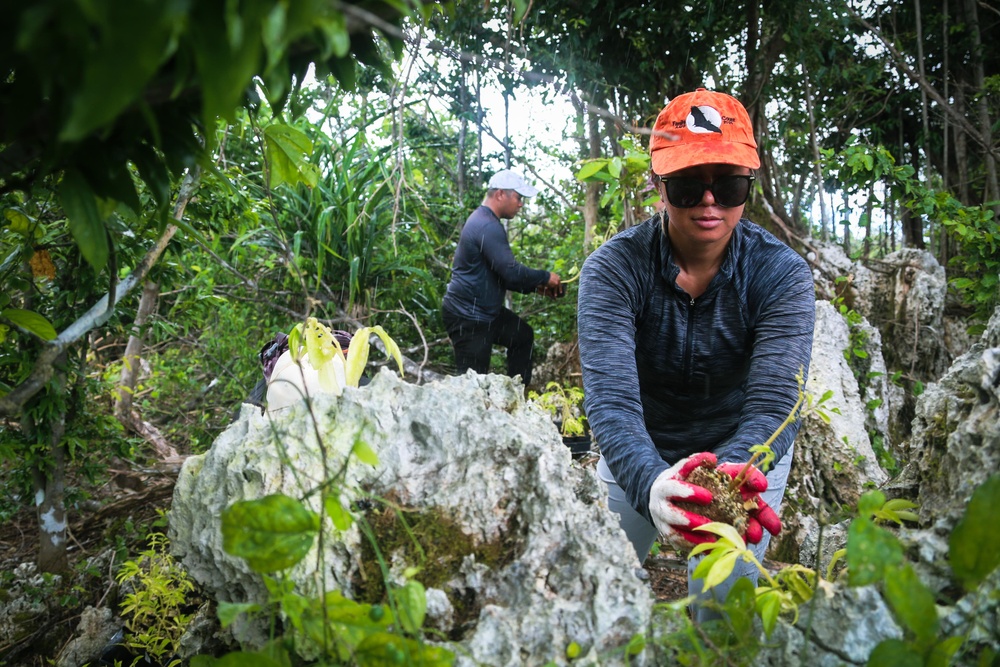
(900, 62)
(99, 313)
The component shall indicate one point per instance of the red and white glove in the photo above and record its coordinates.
(677, 525)
(763, 517)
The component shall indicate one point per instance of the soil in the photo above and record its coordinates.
(727, 504)
(110, 527)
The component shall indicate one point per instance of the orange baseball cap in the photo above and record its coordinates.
(703, 127)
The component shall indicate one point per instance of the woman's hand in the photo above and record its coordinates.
(676, 525)
(762, 517)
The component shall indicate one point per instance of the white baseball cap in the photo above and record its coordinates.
(508, 179)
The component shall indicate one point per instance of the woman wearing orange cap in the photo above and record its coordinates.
(693, 326)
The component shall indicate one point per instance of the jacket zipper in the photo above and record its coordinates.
(689, 344)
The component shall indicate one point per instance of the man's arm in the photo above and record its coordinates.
(499, 257)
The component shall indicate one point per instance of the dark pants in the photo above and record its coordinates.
(473, 342)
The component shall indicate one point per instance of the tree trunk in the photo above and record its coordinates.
(593, 193)
(131, 360)
(506, 129)
(124, 411)
(866, 251)
(914, 230)
(892, 225)
(962, 151)
(847, 232)
(463, 130)
(50, 483)
(944, 252)
(817, 170)
(992, 187)
(923, 92)
(480, 114)
(912, 234)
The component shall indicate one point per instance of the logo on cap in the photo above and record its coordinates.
(704, 119)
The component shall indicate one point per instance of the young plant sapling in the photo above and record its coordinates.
(728, 505)
(315, 362)
(563, 403)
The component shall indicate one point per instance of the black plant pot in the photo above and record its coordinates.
(579, 445)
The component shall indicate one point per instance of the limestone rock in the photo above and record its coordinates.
(834, 462)
(96, 628)
(956, 432)
(840, 626)
(954, 449)
(470, 448)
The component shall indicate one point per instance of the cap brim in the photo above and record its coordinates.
(526, 191)
(668, 159)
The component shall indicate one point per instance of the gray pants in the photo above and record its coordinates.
(641, 533)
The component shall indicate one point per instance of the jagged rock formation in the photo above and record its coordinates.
(955, 447)
(469, 449)
(834, 460)
(562, 365)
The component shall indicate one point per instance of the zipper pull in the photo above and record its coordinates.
(692, 302)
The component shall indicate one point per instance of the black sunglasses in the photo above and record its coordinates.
(728, 191)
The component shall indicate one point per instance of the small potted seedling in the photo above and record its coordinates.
(564, 405)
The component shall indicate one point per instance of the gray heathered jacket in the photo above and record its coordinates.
(665, 376)
(484, 268)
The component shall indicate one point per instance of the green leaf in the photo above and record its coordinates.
(154, 172)
(769, 607)
(85, 221)
(341, 518)
(229, 611)
(286, 149)
(382, 648)
(721, 570)
(870, 502)
(870, 551)
(974, 544)
(724, 531)
(636, 645)
(357, 356)
(19, 222)
(272, 533)
(31, 322)
(894, 653)
(590, 168)
(615, 166)
(365, 453)
(133, 38)
(941, 654)
(225, 66)
(411, 605)
(912, 602)
(337, 37)
(740, 604)
(391, 348)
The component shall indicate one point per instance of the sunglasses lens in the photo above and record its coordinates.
(685, 192)
(730, 191)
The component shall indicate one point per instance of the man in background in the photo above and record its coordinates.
(483, 269)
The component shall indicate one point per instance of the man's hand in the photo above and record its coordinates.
(762, 517)
(553, 288)
(676, 525)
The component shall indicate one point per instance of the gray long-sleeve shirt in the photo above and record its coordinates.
(484, 268)
(665, 376)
